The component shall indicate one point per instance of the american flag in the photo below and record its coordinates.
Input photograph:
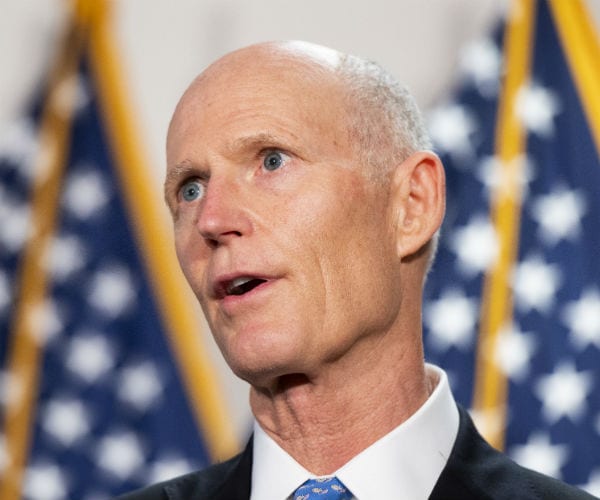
(93, 397)
(512, 307)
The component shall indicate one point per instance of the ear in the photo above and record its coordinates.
(418, 201)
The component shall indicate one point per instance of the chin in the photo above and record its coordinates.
(262, 367)
(259, 375)
(261, 351)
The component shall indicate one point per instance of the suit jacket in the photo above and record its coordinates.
(475, 471)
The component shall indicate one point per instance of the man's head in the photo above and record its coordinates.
(303, 207)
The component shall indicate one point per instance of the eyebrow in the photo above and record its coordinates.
(180, 171)
(240, 145)
(260, 139)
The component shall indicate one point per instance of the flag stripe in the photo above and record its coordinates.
(580, 43)
(25, 352)
(490, 384)
(184, 330)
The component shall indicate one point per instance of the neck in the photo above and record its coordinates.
(326, 420)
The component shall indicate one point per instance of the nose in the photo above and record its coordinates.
(222, 216)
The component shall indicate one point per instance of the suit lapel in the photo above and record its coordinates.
(226, 481)
(236, 484)
(466, 471)
(451, 483)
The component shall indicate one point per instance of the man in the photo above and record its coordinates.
(306, 206)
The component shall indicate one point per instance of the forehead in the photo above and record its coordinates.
(290, 66)
(262, 92)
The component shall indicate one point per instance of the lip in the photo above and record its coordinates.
(220, 284)
(231, 304)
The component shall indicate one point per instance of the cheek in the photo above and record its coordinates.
(188, 248)
(359, 266)
(182, 244)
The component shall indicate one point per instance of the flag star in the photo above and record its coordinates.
(120, 454)
(12, 389)
(19, 145)
(65, 256)
(451, 320)
(506, 179)
(593, 484)
(45, 482)
(66, 420)
(112, 292)
(563, 393)
(45, 321)
(15, 226)
(475, 245)
(89, 356)
(559, 214)
(513, 352)
(481, 62)
(140, 385)
(536, 107)
(582, 317)
(82, 96)
(72, 93)
(597, 425)
(489, 421)
(541, 455)
(535, 283)
(168, 467)
(451, 128)
(86, 194)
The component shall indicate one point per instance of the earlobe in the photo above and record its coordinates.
(419, 201)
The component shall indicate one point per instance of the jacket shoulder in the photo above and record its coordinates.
(475, 470)
(226, 480)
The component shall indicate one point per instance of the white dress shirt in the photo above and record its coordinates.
(404, 464)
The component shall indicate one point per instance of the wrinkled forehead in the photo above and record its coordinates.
(290, 78)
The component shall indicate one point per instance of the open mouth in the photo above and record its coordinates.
(242, 285)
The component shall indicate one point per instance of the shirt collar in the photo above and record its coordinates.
(275, 474)
(405, 463)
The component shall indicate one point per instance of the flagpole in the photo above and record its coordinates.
(491, 392)
(26, 333)
(185, 330)
(580, 43)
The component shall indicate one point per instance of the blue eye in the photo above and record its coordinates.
(191, 191)
(273, 161)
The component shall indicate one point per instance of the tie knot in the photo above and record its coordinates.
(329, 488)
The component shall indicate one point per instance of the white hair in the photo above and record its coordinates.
(386, 125)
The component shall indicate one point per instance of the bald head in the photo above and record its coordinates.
(291, 51)
(382, 123)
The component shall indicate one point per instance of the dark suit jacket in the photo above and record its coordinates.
(475, 471)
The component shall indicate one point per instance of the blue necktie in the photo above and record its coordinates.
(330, 488)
